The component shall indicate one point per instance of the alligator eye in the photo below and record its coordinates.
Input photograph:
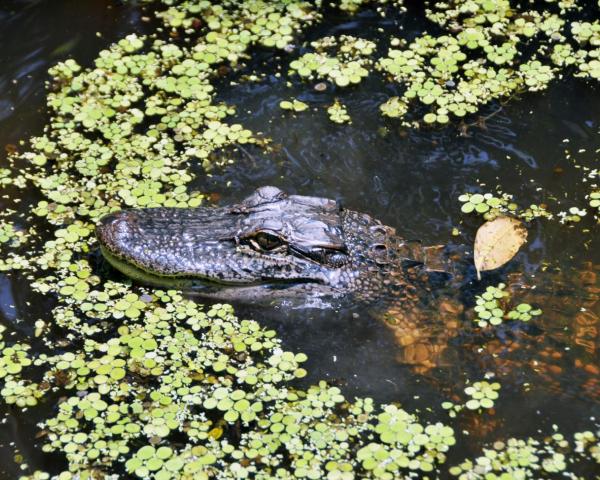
(267, 241)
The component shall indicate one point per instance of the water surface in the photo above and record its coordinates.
(410, 179)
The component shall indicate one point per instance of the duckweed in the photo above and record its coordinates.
(486, 204)
(394, 107)
(294, 105)
(346, 67)
(482, 395)
(490, 206)
(573, 215)
(491, 308)
(483, 54)
(517, 458)
(214, 373)
(523, 312)
(338, 113)
(594, 200)
(7, 177)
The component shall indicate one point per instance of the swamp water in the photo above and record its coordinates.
(536, 147)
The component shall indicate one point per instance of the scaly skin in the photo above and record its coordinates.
(271, 245)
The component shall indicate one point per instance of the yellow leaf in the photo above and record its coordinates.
(497, 242)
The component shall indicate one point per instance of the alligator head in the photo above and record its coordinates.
(270, 244)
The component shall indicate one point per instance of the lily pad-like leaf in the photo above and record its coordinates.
(497, 242)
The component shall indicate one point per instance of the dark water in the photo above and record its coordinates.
(410, 180)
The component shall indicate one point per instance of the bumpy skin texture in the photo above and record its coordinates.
(269, 245)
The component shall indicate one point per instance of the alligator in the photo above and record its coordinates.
(270, 245)
(275, 246)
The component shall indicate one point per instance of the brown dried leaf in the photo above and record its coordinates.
(497, 242)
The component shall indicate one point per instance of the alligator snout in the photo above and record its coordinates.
(116, 229)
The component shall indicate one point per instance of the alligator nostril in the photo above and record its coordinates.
(380, 252)
(379, 248)
(114, 228)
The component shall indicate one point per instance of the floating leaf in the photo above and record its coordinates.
(497, 242)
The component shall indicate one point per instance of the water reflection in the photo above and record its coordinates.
(7, 301)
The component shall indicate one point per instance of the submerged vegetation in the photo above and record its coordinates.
(153, 385)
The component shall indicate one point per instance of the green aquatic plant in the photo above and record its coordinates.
(588, 443)
(10, 235)
(138, 368)
(486, 204)
(10, 178)
(517, 458)
(491, 206)
(394, 107)
(342, 60)
(187, 396)
(338, 113)
(491, 308)
(573, 215)
(482, 395)
(14, 358)
(594, 202)
(294, 105)
(483, 54)
(523, 312)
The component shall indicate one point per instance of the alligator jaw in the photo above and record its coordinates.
(198, 282)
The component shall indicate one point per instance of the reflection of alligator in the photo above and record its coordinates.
(270, 245)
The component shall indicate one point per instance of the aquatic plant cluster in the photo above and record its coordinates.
(484, 50)
(148, 383)
(338, 113)
(491, 309)
(348, 65)
(517, 459)
(491, 206)
(482, 396)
